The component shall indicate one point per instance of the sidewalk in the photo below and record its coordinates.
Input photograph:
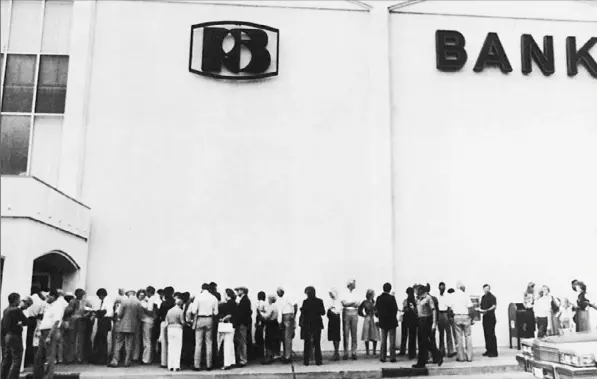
(364, 368)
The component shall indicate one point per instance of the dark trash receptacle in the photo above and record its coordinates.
(521, 323)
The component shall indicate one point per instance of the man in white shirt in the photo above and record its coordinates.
(103, 311)
(62, 303)
(287, 310)
(46, 353)
(461, 304)
(444, 327)
(204, 308)
(350, 317)
(34, 314)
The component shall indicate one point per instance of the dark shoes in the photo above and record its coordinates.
(354, 357)
(418, 366)
(393, 361)
(452, 355)
(336, 357)
(382, 360)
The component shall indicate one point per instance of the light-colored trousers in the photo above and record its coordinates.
(227, 339)
(289, 326)
(204, 332)
(164, 344)
(464, 340)
(146, 331)
(174, 346)
(350, 320)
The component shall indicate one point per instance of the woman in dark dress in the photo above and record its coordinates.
(582, 308)
(409, 325)
(312, 324)
(334, 325)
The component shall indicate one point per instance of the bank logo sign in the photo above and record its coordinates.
(234, 50)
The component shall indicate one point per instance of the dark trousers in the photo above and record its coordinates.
(12, 355)
(409, 334)
(383, 350)
(45, 358)
(425, 325)
(489, 331)
(188, 346)
(313, 342)
(29, 349)
(100, 342)
(541, 327)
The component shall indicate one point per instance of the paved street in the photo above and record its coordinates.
(507, 375)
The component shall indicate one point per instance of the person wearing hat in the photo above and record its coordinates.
(129, 314)
(287, 310)
(242, 325)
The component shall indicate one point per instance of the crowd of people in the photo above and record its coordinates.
(549, 315)
(209, 330)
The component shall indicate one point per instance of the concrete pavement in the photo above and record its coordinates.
(364, 368)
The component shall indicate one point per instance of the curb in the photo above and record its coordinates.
(404, 372)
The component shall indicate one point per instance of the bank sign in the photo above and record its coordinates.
(452, 54)
(234, 50)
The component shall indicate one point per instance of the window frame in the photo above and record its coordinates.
(38, 53)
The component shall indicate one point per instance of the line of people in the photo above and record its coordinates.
(207, 331)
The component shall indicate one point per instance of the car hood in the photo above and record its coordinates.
(579, 348)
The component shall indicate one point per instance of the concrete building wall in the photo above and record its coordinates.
(495, 175)
(261, 184)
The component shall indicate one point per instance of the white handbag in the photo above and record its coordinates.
(225, 327)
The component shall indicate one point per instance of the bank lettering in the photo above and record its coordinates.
(451, 54)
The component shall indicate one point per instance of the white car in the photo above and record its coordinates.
(560, 357)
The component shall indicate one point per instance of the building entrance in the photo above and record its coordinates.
(54, 270)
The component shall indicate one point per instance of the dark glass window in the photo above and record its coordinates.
(51, 85)
(19, 83)
(14, 144)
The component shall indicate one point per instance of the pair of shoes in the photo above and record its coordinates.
(318, 363)
(485, 354)
(354, 357)
(440, 362)
(112, 365)
(196, 369)
(393, 361)
(492, 355)
(418, 366)
(382, 360)
(460, 360)
(452, 355)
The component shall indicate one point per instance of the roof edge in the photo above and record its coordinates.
(408, 3)
(358, 5)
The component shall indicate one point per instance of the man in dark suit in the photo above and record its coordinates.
(241, 326)
(387, 311)
(129, 315)
(488, 306)
(311, 325)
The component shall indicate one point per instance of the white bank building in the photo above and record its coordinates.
(289, 143)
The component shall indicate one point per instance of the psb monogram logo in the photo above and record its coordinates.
(234, 50)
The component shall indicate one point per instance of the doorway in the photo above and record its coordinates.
(54, 270)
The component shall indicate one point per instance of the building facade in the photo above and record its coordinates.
(409, 144)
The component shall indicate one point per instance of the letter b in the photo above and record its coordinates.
(449, 49)
(214, 56)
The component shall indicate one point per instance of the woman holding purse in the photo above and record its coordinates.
(371, 325)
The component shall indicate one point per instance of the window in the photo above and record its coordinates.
(51, 87)
(19, 84)
(33, 83)
(14, 144)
